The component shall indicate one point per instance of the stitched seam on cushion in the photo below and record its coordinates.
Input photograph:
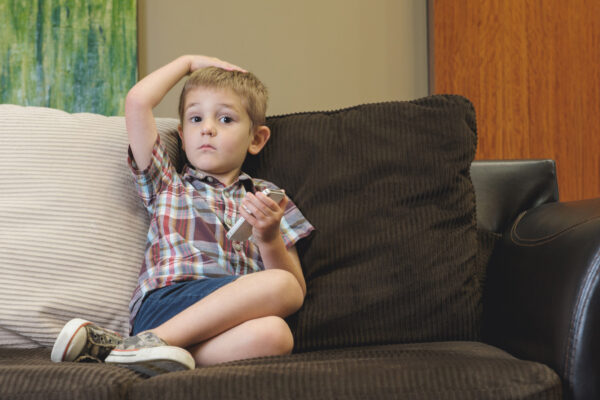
(516, 239)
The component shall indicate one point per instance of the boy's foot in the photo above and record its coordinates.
(149, 355)
(82, 341)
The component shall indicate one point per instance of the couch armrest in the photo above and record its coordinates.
(542, 294)
(505, 188)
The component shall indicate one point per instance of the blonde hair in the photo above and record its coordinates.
(252, 91)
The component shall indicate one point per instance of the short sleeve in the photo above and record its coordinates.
(158, 175)
(294, 226)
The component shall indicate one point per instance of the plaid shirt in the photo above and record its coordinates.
(190, 215)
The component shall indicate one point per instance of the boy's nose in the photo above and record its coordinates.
(208, 129)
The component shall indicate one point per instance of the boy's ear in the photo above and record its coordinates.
(259, 138)
(180, 131)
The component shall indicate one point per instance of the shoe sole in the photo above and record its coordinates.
(153, 361)
(65, 340)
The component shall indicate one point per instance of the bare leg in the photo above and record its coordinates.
(270, 293)
(267, 336)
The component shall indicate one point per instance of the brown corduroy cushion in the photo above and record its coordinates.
(442, 370)
(388, 188)
(29, 374)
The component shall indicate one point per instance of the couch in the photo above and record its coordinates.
(429, 276)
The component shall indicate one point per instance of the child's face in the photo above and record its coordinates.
(216, 132)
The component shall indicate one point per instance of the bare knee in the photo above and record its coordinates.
(271, 336)
(282, 288)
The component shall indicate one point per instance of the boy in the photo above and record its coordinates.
(219, 300)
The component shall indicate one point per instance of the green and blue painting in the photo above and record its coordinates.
(74, 55)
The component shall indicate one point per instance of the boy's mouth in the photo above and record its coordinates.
(206, 147)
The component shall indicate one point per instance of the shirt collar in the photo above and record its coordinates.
(195, 176)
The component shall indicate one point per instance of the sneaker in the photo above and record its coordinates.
(82, 341)
(149, 355)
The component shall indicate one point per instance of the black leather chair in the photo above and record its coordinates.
(541, 298)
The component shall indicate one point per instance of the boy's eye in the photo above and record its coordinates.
(195, 119)
(226, 120)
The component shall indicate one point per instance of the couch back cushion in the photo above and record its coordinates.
(72, 229)
(386, 185)
(388, 188)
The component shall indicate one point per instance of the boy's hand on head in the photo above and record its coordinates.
(264, 215)
(199, 61)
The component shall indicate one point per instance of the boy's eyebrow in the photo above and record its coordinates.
(227, 105)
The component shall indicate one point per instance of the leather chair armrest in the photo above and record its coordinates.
(505, 188)
(542, 294)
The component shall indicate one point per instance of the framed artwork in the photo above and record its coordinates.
(74, 55)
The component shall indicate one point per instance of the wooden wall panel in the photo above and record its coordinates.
(532, 70)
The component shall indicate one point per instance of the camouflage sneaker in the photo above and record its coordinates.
(149, 355)
(82, 341)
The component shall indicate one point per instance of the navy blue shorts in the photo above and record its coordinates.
(162, 304)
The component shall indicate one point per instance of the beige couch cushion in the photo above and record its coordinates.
(72, 230)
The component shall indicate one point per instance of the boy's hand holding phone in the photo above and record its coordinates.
(261, 216)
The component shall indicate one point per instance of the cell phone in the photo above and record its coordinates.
(242, 230)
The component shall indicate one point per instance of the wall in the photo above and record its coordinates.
(312, 54)
(531, 68)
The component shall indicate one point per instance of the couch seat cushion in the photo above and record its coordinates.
(443, 370)
(29, 374)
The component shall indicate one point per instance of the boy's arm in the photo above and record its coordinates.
(148, 93)
(265, 219)
(275, 255)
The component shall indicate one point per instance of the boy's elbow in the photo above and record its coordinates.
(134, 101)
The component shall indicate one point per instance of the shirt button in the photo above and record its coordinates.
(237, 246)
(228, 221)
(226, 194)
